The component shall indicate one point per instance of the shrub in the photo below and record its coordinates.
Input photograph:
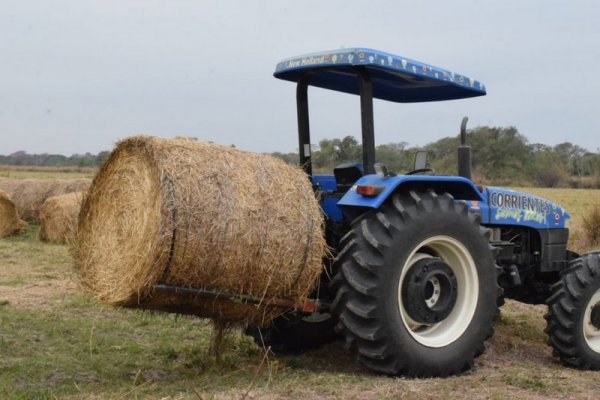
(591, 224)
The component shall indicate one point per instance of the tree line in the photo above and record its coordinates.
(54, 160)
(500, 156)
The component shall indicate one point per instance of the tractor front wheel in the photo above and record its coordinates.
(573, 318)
(416, 287)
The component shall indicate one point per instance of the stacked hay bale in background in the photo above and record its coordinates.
(9, 185)
(197, 215)
(10, 223)
(58, 217)
(29, 194)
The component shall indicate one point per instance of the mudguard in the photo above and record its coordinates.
(391, 183)
(461, 188)
(497, 206)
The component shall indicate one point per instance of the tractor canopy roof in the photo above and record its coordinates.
(394, 78)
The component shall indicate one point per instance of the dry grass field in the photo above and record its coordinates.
(56, 342)
(28, 171)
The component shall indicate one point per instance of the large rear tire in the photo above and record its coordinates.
(416, 287)
(573, 318)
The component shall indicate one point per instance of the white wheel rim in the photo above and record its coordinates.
(590, 332)
(458, 258)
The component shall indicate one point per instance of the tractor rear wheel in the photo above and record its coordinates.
(416, 287)
(573, 318)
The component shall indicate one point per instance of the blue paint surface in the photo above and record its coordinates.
(395, 78)
(326, 183)
(497, 206)
(389, 184)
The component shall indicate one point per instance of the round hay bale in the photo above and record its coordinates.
(9, 185)
(29, 194)
(198, 215)
(10, 223)
(58, 217)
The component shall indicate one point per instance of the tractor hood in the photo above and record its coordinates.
(509, 207)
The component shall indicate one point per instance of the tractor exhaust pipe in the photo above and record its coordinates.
(464, 152)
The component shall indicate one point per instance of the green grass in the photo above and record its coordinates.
(58, 342)
(532, 378)
(91, 349)
(523, 327)
(84, 349)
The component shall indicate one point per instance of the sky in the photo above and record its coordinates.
(77, 76)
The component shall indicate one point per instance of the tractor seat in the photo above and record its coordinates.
(346, 175)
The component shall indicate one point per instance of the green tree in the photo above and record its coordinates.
(548, 169)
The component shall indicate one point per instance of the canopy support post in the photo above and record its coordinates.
(367, 121)
(303, 124)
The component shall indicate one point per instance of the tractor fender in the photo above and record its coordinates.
(461, 188)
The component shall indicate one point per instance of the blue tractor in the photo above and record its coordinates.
(422, 262)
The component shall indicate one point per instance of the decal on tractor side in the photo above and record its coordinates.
(510, 207)
(519, 201)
